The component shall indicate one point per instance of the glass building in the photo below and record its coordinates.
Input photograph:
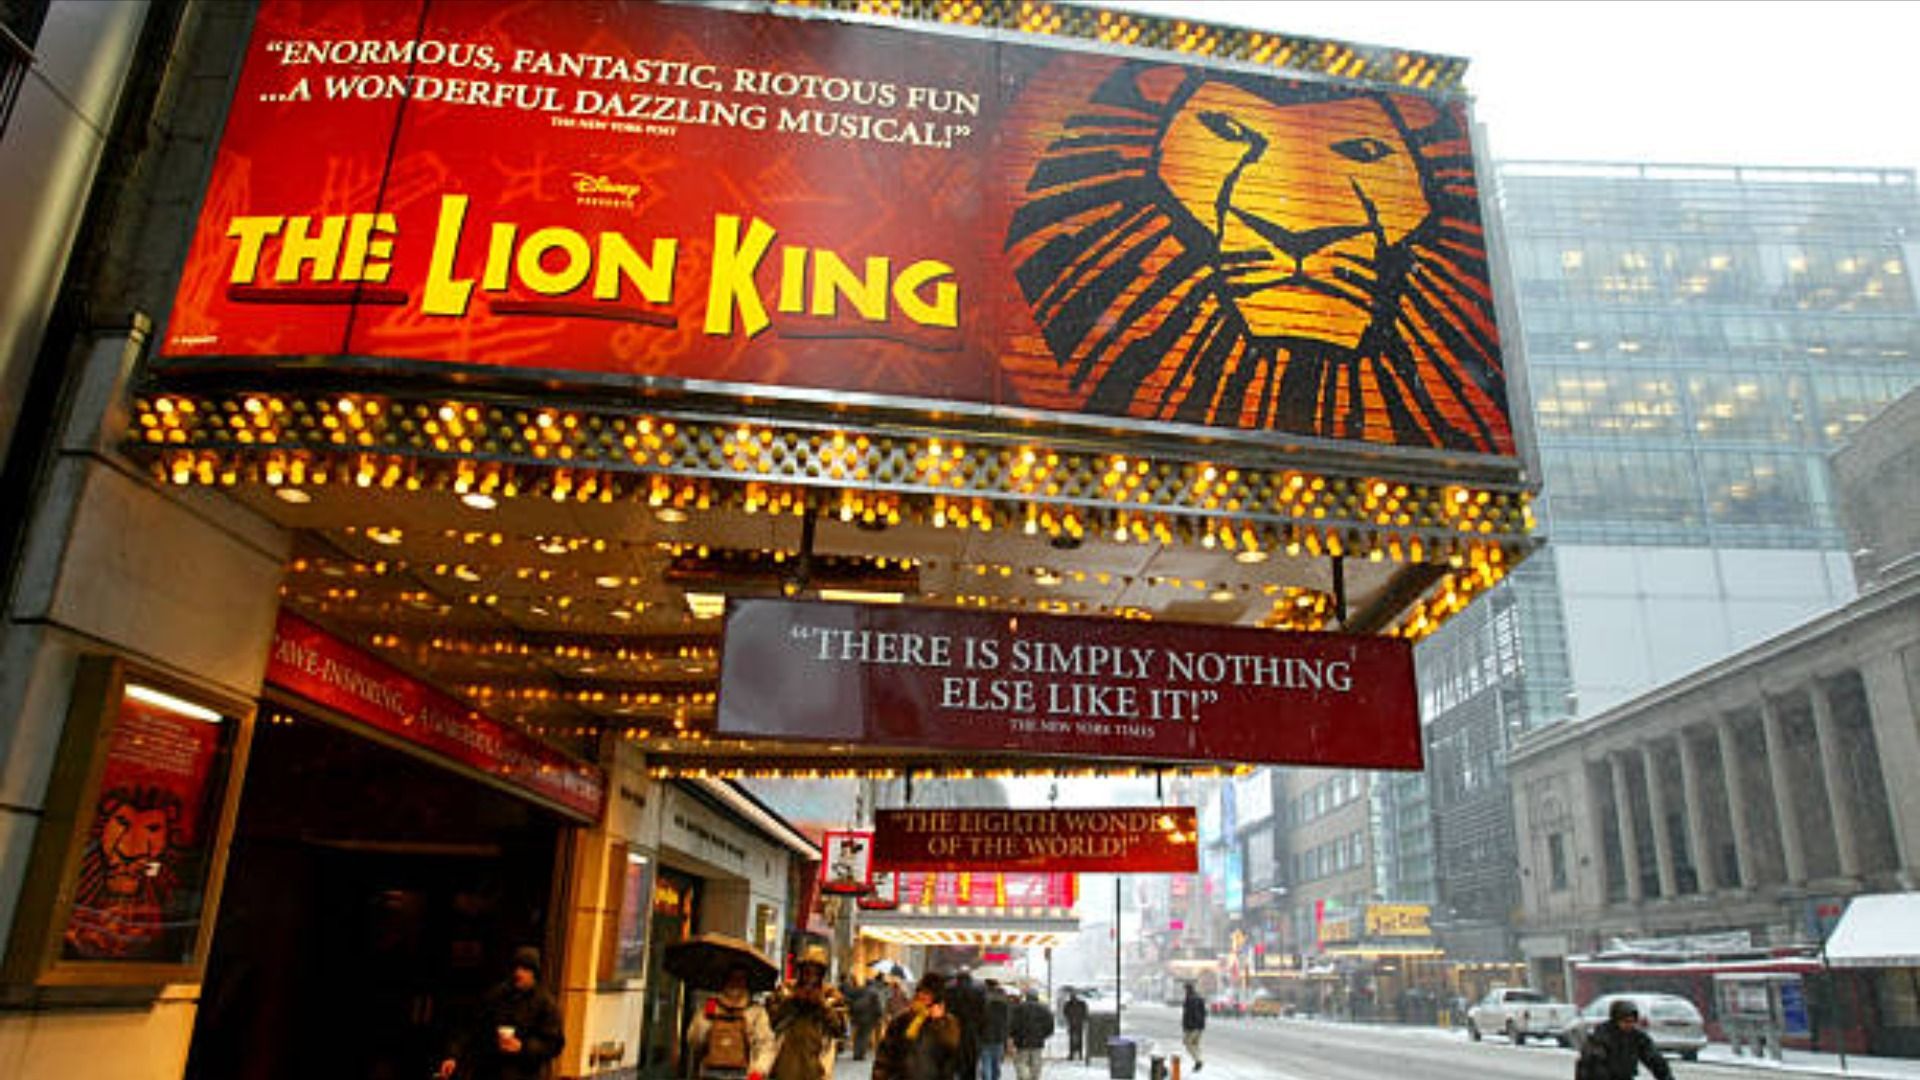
(1697, 342)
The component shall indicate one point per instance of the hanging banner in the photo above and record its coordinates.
(987, 892)
(944, 679)
(313, 664)
(846, 864)
(885, 894)
(796, 206)
(1136, 840)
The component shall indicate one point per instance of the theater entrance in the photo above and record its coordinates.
(371, 898)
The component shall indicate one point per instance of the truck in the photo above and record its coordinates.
(1519, 1013)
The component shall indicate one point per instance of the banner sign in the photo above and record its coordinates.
(944, 679)
(884, 895)
(846, 864)
(1140, 840)
(985, 892)
(785, 204)
(1398, 920)
(325, 670)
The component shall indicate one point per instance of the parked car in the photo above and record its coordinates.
(1225, 1004)
(1268, 1003)
(1519, 1013)
(1672, 1022)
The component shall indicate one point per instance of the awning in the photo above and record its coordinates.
(1877, 931)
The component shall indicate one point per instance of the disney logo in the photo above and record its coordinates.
(590, 184)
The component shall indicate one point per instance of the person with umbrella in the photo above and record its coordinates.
(730, 1037)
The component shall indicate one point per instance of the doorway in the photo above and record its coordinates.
(371, 899)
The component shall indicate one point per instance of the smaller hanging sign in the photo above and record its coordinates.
(1141, 840)
(885, 895)
(846, 868)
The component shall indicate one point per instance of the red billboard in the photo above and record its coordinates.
(327, 671)
(1131, 840)
(797, 205)
(937, 678)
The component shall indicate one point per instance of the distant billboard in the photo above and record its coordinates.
(800, 206)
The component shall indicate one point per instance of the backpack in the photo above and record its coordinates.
(726, 1043)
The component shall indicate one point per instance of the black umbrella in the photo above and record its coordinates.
(703, 961)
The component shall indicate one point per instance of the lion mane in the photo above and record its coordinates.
(1128, 293)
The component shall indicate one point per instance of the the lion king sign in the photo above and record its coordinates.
(802, 207)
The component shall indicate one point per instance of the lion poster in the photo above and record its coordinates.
(139, 890)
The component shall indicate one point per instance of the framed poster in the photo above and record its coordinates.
(846, 868)
(623, 951)
(885, 895)
(127, 864)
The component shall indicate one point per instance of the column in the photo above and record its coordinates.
(1779, 770)
(1695, 808)
(1736, 801)
(1657, 807)
(1894, 708)
(1833, 758)
(1596, 843)
(1623, 819)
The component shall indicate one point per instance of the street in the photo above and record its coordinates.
(1272, 1049)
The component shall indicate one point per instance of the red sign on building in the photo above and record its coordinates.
(945, 679)
(804, 206)
(1141, 840)
(327, 671)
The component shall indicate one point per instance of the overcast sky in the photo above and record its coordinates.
(1719, 83)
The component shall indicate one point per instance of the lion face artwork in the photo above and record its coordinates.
(127, 876)
(1263, 254)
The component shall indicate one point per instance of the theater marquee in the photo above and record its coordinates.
(797, 206)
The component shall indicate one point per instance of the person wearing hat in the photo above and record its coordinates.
(809, 1019)
(922, 1043)
(515, 1032)
(1617, 1048)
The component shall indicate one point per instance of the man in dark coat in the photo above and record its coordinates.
(923, 1042)
(865, 1005)
(1075, 1012)
(967, 1004)
(1615, 1050)
(515, 1032)
(1031, 1027)
(995, 1030)
(1193, 1022)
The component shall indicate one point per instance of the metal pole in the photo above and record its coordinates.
(1116, 954)
(1839, 1012)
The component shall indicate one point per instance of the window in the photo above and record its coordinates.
(1557, 861)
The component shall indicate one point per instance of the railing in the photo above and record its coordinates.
(15, 59)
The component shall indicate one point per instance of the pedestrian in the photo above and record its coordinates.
(808, 1017)
(1193, 1022)
(515, 1032)
(995, 1030)
(923, 1042)
(1075, 1010)
(1616, 1048)
(967, 1004)
(898, 999)
(730, 1037)
(865, 1008)
(1030, 1028)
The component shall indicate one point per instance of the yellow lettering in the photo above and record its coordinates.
(443, 295)
(944, 310)
(618, 259)
(578, 265)
(832, 278)
(499, 257)
(297, 248)
(356, 263)
(252, 231)
(734, 261)
(793, 280)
